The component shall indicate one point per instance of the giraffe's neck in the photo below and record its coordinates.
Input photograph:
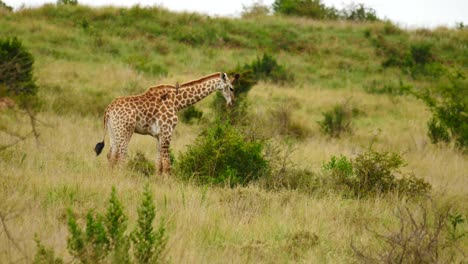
(190, 93)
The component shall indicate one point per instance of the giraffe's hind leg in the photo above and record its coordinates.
(120, 138)
(112, 154)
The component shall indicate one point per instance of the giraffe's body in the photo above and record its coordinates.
(155, 113)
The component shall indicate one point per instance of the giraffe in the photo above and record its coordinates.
(154, 113)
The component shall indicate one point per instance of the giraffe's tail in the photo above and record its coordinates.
(99, 146)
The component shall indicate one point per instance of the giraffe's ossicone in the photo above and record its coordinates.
(154, 113)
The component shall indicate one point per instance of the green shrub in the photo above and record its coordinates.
(222, 155)
(45, 255)
(449, 106)
(139, 163)
(16, 71)
(372, 173)
(238, 111)
(104, 238)
(336, 121)
(149, 245)
(190, 113)
(307, 8)
(67, 2)
(116, 223)
(359, 12)
(267, 68)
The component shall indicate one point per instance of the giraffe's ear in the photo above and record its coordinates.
(223, 76)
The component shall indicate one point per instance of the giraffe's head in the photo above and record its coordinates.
(226, 87)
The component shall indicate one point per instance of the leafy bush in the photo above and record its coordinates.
(149, 245)
(222, 155)
(267, 68)
(337, 121)
(104, 238)
(139, 163)
(190, 113)
(423, 236)
(359, 12)
(16, 71)
(372, 173)
(307, 8)
(417, 58)
(238, 111)
(45, 255)
(449, 106)
(67, 2)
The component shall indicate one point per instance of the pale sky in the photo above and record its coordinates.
(407, 13)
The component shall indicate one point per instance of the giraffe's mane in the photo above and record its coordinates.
(189, 83)
(202, 79)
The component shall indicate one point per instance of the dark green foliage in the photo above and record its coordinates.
(416, 59)
(190, 113)
(359, 12)
(267, 68)
(222, 155)
(104, 238)
(139, 163)
(449, 106)
(45, 255)
(307, 8)
(5, 6)
(90, 245)
(456, 220)
(16, 71)
(116, 226)
(336, 121)
(149, 245)
(67, 2)
(372, 173)
(238, 111)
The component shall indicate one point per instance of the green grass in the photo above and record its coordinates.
(80, 69)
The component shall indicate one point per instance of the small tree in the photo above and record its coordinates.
(149, 245)
(17, 82)
(449, 106)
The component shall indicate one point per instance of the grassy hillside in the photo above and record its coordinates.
(85, 57)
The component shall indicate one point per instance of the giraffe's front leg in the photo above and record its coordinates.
(165, 142)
